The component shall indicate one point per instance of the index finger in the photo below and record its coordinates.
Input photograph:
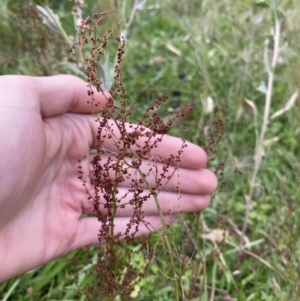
(60, 94)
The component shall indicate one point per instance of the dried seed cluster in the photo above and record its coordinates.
(124, 157)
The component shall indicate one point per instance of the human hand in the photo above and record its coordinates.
(45, 127)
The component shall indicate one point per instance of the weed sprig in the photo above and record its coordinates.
(130, 159)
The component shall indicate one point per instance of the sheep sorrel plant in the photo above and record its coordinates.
(124, 155)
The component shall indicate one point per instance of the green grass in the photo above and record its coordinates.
(219, 53)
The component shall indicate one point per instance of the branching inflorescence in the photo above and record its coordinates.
(124, 153)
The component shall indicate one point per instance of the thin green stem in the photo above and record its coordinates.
(164, 235)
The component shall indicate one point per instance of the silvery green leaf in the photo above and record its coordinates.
(48, 16)
(108, 73)
(140, 5)
(262, 88)
(73, 69)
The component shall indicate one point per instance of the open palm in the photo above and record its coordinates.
(45, 128)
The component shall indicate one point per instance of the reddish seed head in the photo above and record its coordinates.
(131, 148)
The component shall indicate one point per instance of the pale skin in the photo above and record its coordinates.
(45, 127)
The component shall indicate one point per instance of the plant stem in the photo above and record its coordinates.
(259, 145)
(164, 235)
